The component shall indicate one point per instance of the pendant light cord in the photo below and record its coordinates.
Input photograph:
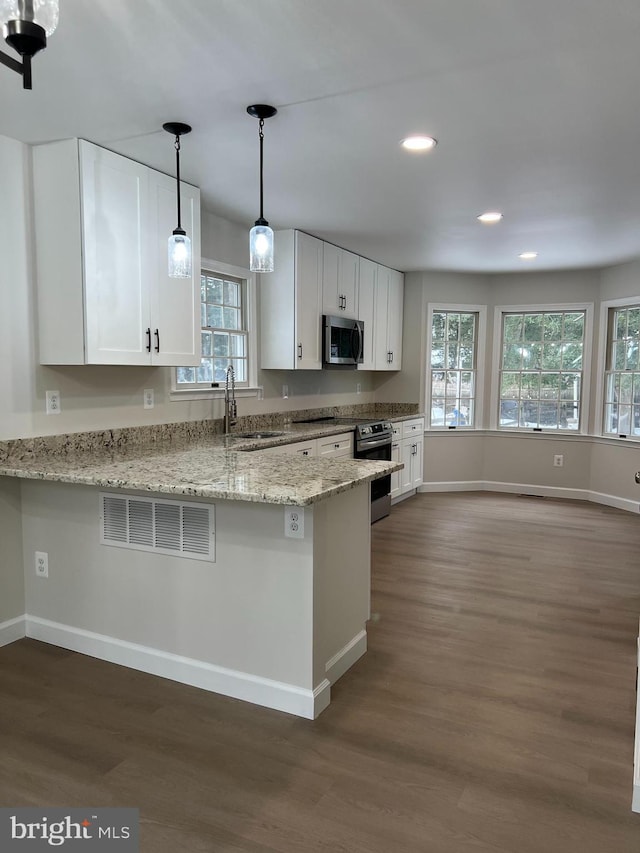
(261, 162)
(177, 146)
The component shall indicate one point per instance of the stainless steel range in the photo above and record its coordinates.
(372, 440)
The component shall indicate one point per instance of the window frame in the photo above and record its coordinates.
(585, 385)
(481, 337)
(603, 353)
(251, 389)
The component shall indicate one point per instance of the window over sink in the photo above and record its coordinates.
(228, 337)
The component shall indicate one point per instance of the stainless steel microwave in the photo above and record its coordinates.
(342, 341)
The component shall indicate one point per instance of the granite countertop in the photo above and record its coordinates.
(190, 459)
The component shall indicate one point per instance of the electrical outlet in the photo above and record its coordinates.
(558, 460)
(285, 392)
(42, 564)
(358, 387)
(294, 522)
(53, 402)
(147, 399)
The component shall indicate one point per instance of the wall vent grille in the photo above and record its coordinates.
(165, 527)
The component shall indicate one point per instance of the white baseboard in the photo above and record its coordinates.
(197, 673)
(530, 489)
(12, 630)
(346, 657)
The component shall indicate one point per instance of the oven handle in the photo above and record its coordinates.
(357, 353)
(368, 444)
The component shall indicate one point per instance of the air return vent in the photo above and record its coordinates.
(164, 527)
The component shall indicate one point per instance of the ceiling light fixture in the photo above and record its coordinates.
(528, 256)
(261, 236)
(179, 244)
(25, 27)
(490, 217)
(419, 143)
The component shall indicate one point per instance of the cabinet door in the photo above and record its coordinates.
(348, 271)
(175, 302)
(367, 275)
(115, 207)
(331, 301)
(395, 303)
(308, 298)
(416, 463)
(380, 347)
(406, 457)
(395, 477)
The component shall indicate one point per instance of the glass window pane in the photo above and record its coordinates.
(512, 356)
(220, 369)
(533, 327)
(214, 317)
(437, 356)
(437, 411)
(220, 344)
(633, 323)
(531, 385)
(621, 325)
(231, 318)
(466, 357)
(531, 356)
(551, 356)
(513, 327)
(510, 385)
(632, 355)
(214, 290)
(553, 327)
(185, 374)
(231, 293)
(203, 314)
(452, 355)
(618, 355)
(203, 288)
(205, 371)
(549, 386)
(467, 328)
(466, 384)
(452, 383)
(509, 412)
(239, 365)
(572, 357)
(206, 343)
(573, 326)
(453, 327)
(626, 388)
(438, 326)
(237, 344)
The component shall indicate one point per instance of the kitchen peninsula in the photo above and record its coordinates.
(198, 560)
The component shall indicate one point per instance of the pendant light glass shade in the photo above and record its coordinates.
(179, 255)
(261, 236)
(179, 246)
(261, 248)
(44, 13)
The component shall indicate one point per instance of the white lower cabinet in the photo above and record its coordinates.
(332, 447)
(408, 448)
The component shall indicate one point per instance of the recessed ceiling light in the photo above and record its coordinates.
(419, 143)
(490, 217)
(528, 256)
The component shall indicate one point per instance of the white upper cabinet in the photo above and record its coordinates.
(389, 300)
(104, 295)
(291, 304)
(368, 274)
(340, 282)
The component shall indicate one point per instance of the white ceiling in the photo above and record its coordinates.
(535, 103)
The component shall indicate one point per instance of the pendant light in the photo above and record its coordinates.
(25, 27)
(179, 243)
(261, 236)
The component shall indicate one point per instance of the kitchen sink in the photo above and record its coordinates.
(257, 434)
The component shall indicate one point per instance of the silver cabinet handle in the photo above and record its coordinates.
(299, 350)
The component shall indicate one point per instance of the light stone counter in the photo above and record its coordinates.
(215, 466)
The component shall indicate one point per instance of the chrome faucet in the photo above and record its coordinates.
(230, 405)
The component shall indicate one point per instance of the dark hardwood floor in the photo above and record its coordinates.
(494, 710)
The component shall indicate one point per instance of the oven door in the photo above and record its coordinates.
(376, 448)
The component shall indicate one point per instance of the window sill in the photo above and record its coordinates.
(187, 394)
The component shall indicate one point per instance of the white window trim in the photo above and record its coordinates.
(251, 310)
(481, 311)
(622, 302)
(544, 307)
